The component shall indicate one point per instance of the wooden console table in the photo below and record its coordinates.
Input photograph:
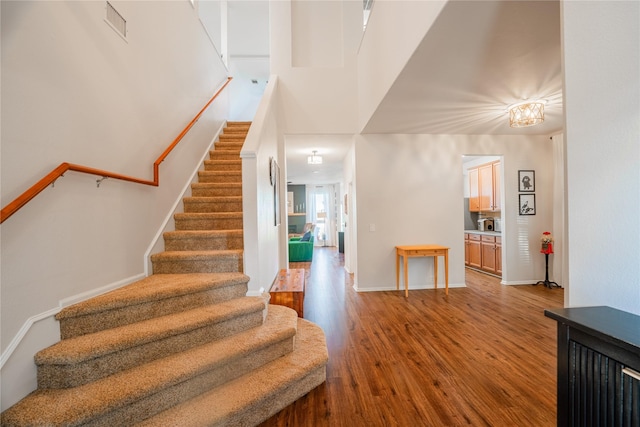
(288, 290)
(422, 251)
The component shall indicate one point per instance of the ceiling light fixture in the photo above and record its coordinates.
(527, 113)
(314, 159)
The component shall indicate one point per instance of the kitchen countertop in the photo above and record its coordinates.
(486, 233)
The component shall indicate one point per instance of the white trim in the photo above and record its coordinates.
(179, 199)
(15, 342)
(66, 302)
(248, 155)
(23, 331)
(257, 293)
(520, 282)
(104, 289)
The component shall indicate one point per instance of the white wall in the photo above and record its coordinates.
(350, 232)
(394, 31)
(74, 91)
(410, 188)
(264, 242)
(316, 98)
(601, 41)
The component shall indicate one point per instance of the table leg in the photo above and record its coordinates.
(397, 271)
(435, 271)
(446, 272)
(406, 276)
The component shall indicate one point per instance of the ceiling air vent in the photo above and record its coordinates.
(116, 20)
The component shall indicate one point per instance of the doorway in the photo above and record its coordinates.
(322, 211)
(483, 213)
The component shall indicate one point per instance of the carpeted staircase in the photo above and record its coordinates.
(184, 346)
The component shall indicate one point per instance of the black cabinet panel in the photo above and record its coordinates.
(598, 367)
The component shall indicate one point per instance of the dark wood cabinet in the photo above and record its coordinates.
(598, 367)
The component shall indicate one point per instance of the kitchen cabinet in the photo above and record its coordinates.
(484, 188)
(474, 187)
(466, 248)
(483, 252)
(488, 245)
(598, 366)
(473, 255)
(495, 173)
(499, 256)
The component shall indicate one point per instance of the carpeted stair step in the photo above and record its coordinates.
(241, 123)
(216, 189)
(153, 296)
(234, 143)
(235, 131)
(181, 262)
(237, 127)
(203, 240)
(214, 176)
(133, 395)
(224, 154)
(223, 165)
(213, 204)
(208, 221)
(77, 361)
(258, 395)
(230, 142)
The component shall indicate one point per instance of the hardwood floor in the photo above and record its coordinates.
(483, 356)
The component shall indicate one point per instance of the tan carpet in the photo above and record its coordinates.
(185, 346)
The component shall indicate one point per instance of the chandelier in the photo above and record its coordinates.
(527, 113)
(314, 159)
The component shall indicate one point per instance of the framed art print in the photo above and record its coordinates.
(526, 181)
(275, 181)
(527, 203)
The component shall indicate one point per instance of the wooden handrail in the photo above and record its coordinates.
(50, 178)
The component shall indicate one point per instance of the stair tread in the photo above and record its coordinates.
(208, 215)
(224, 161)
(194, 234)
(79, 404)
(197, 254)
(216, 184)
(223, 403)
(97, 344)
(213, 198)
(220, 172)
(154, 287)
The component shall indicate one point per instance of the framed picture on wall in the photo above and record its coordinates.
(527, 181)
(527, 204)
(272, 171)
(275, 179)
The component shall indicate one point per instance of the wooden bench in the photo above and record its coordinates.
(288, 289)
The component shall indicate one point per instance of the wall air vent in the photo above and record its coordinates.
(116, 20)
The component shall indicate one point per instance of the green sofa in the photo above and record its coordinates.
(300, 251)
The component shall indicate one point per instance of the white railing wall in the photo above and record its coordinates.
(264, 241)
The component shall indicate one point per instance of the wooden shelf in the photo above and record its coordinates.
(297, 214)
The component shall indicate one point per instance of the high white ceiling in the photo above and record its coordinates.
(478, 58)
(332, 149)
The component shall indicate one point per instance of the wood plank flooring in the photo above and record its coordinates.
(483, 356)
